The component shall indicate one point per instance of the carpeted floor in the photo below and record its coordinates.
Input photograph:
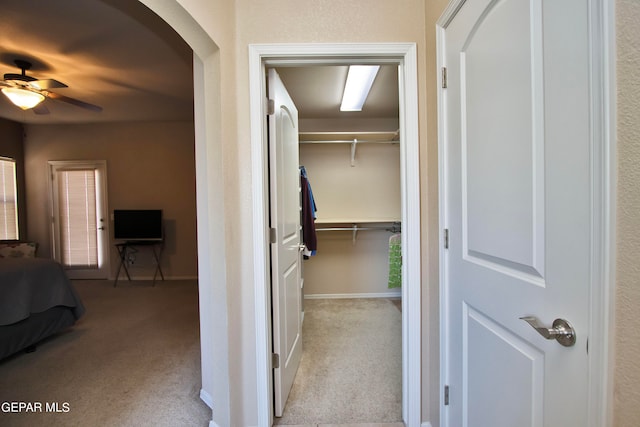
(132, 360)
(351, 367)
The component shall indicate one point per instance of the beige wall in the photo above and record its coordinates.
(291, 21)
(149, 166)
(343, 268)
(370, 190)
(228, 381)
(627, 370)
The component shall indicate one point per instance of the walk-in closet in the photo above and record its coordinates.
(351, 365)
(355, 177)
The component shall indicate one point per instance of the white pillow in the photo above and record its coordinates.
(18, 250)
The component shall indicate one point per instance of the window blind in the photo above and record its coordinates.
(8, 200)
(78, 222)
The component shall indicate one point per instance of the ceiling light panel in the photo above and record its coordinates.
(359, 81)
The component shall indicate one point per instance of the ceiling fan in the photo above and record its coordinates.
(27, 92)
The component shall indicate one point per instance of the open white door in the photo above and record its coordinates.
(518, 193)
(284, 177)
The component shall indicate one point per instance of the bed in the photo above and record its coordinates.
(36, 300)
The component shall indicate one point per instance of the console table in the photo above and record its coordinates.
(129, 247)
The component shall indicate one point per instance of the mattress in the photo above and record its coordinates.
(37, 300)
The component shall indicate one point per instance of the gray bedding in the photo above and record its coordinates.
(34, 285)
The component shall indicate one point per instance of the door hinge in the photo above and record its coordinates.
(444, 77)
(275, 360)
(446, 395)
(272, 235)
(446, 238)
(271, 107)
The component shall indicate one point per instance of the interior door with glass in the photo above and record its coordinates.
(79, 218)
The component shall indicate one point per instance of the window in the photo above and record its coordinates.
(78, 221)
(8, 200)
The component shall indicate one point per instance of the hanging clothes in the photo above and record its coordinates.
(395, 261)
(309, 210)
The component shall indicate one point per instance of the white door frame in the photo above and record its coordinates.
(603, 172)
(405, 55)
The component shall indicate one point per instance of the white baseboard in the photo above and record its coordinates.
(427, 424)
(206, 398)
(391, 294)
(150, 278)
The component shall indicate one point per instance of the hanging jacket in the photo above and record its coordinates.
(308, 215)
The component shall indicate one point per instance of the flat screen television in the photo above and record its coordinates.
(137, 224)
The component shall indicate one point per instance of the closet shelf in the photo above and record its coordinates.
(391, 226)
(353, 138)
(375, 136)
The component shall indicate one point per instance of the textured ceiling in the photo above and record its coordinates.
(121, 56)
(317, 92)
(113, 53)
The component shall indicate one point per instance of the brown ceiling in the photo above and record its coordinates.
(112, 53)
(121, 56)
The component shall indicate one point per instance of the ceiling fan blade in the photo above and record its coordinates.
(40, 109)
(75, 102)
(47, 84)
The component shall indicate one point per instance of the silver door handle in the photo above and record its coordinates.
(561, 331)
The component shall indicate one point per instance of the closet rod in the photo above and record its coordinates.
(395, 228)
(355, 228)
(348, 141)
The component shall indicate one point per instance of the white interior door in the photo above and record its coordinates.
(517, 194)
(284, 177)
(79, 217)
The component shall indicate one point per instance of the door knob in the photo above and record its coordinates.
(561, 331)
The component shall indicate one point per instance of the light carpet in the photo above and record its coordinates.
(351, 367)
(132, 360)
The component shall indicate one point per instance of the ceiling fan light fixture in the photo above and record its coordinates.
(23, 98)
(359, 81)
